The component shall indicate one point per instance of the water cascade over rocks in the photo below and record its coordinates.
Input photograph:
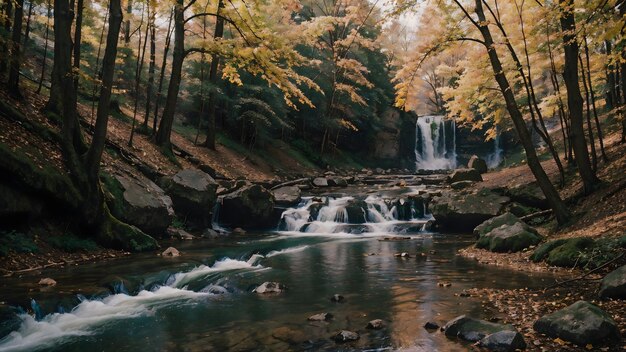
(435, 143)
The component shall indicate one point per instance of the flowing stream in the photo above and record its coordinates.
(203, 300)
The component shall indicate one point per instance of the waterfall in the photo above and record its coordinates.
(494, 159)
(432, 151)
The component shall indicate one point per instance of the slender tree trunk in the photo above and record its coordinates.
(592, 141)
(45, 49)
(27, 30)
(574, 97)
(202, 99)
(593, 101)
(622, 70)
(165, 127)
(162, 73)
(78, 34)
(215, 62)
(151, 69)
(552, 196)
(129, 15)
(16, 50)
(611, 97)
(96, 72)
(141, 54)
(6, 48)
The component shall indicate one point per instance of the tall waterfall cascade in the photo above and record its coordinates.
(494, 159)
(435, 143)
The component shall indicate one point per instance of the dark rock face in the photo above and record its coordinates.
(431, 325)
(503, 341)
(287, 196)
(463, 212)
(140, 203)
(465, 175)
(528, 195)
(470, 329)
(337, 181)
(17, 204)
(477, 164)
(580, 323)
(193, 193)
(250, 207)
(357, 211)
(512, 235)
(9, 321)
(614, 284)
(270, 287)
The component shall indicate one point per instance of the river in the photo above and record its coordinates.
(204, 299)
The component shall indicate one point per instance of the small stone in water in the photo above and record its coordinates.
(47, 282)
(171, 252)
(320, 317)
(444, 284)
(402, 255)
(431, 325)
(346, 336)
(270, 287)
(376, 324)
(337, 298)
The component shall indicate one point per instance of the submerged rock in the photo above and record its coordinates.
(171, 252)
(477, 164)
(376, 324)
(614, 284)
(345, 336)
(465, 175)
(580, 323)
(249, 207)
(471, 329)
(193, 193)
(9, 320)
(270, 287)
(503, 341)
(320, 317)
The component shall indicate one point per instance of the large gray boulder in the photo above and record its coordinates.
(193, 193)
(287, 196)
(581, 323)
(251, 208)
(614, 284)
(140, 203)
(503, 341)
(465, 175)
(470, 329)
(495, 222)
(528, 194)
(455, 211)
(477, 164)
(509, 238)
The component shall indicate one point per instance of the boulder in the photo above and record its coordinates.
(614, 284)
(14, 203)
(345, 336)
(270, 287)
(581, 323)
(564, 252)
(470, 329)
(251, 207)
(320, 317)
(461, 185)
(287, 196)
(495, 222)
(431, 325)
(465, 175)
(179, 234)
(454, 211)
(528, 194)
(503, 341)
(477, 164)
(376, 324)
(357, 211)
(140, 203)
(9, 320)
(337, 181)
(171, 252)
(320, 182)
(193, 193)
(509, 238)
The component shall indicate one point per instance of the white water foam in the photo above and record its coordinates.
(89, 314)
(286, 251)
(226, 264)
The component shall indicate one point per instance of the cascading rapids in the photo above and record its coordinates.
(435, 144)
(373, 215)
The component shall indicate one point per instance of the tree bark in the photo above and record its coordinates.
(27, 30)
(593, 101)
(16, 50)
(162, 73)
(4, 56)
(151, 68)
(165, 127)
(45, 49)
(215, 62)
(611, 96)
(141, 54)
(552, 196)
(592, 141)
(78, 34)
(574, 97)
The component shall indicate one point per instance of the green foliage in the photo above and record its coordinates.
(71, 243)
(13, 241)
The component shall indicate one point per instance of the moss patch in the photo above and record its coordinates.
(71, 244)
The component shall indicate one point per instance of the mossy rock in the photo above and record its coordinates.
(542, 251)
(116, 234)
(571, 253)
(493, 223)
(509, 238)
(473, 330)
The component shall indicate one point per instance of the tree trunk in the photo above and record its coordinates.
(552, 196)
(611, 95)
(141, 54)
(16, 50)
(129, 15)
(96, 73)
(45, 49)
(592, 141)
(215, 62)
(165, 127)
(622, 69)
(4, 55)
(151, 68)
(78, 34)
(27, 30)
(593, 102)
(574, 97)
(162, 73)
